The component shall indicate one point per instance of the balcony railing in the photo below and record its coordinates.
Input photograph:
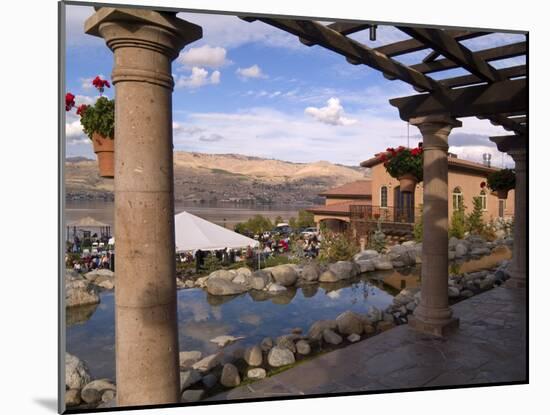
(385, 214)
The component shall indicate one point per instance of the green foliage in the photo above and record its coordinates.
(458, 222)
(418, 229)
(99, 118)
(257, 225)
(212, 263)
(278, 220)
(336, 247)
(305, 219)
(277, 260)
(401, 161)
(504, 179)
(474, 221)
(377, 239)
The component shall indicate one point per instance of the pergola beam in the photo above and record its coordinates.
(488, 55)
(413, 45)
(351, 49)
(449, 47)
(465, 80)
(342, 28)
(481, 100)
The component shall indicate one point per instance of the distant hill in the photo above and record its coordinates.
(235, 178)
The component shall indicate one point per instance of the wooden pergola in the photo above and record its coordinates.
(144, 44)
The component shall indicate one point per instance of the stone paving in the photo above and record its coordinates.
(488, 347)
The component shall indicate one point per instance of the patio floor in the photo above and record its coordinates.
(489, 347)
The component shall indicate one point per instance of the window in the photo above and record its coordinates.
(483, 197)
(458, 198)
(384, 196)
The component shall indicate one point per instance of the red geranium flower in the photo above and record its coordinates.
(382, 157)
(416, 151)
(482, 184)
(81, 109)
(100, 84)
(69, 101)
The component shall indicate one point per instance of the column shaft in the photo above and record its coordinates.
(144, 44)
(433, 314)
(518, 269)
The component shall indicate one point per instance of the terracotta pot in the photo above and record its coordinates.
(502, 194)
(407, 183)
(105, 150)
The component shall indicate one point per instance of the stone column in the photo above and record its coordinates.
(433, 315)
(516, 147)
(144, 43)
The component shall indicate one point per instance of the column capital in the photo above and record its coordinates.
(514, 145)
(435, 130)
(149, 29)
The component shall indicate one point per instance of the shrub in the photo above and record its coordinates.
(458, 222)
(99, 118)
(474, 221)
(418, 229)
(212, 263)
(336, 247)
(257, 225)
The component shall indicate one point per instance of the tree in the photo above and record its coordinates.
(336, 247)
(418, 229)
(257, 224)
(458, 221)
(474, 222)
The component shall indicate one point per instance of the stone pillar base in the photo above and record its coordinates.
(436, 329)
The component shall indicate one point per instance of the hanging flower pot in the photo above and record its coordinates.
(405, 165)
(98, 122)
(501, 182)
(407, 183)
(104, 148)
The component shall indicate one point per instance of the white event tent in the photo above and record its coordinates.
(194, 233)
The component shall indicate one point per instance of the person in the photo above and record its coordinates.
(77, 266)
(198, 260)
(266, 252)
(105, 262)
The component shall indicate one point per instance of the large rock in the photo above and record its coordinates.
(188, 359)
(244, 271)
(192, 395)
(225, 340)
(223, 274)
(242, 279)
(331, 337)
(316, 330)
(453, 292)
(256, 373)
(93, 391)
(209, 380)
(220, 286)
(328, 276)
(93, 275)
(287, 342)
(72, 398)
(188, 378)
(453, 242)
(283, 274)
(349, 323)
(266, 344)
(303, 347)
(276, 288)
(480, 251)
(253, 356)
(382, 264)
(76, 372)
(280, 356)
(367, 254)
(230, 376)
(461, 249)
(80, 293)
(344, 270)
(260, 279)
(374, 314)
(207, 363)
(311, 272)
(365, 265)
(401, 255)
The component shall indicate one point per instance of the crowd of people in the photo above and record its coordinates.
(87, 263)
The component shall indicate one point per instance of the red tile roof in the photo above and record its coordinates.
(454, 164)
(357, 189)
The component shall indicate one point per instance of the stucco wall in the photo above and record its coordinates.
(468, 182)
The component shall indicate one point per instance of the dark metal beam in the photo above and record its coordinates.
(342, 28)
(488, 100)
(449, 47)
(331, 39)
(413, 45)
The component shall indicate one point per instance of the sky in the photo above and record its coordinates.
(249, 88)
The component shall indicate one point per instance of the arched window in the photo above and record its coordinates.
(384, 196)
(483, 197)
(458, 198)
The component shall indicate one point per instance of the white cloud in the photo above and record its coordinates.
(207, 56)
(198, 77)
(253, 71)
(332, 114)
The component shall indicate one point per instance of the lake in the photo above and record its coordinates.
(228, 214)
